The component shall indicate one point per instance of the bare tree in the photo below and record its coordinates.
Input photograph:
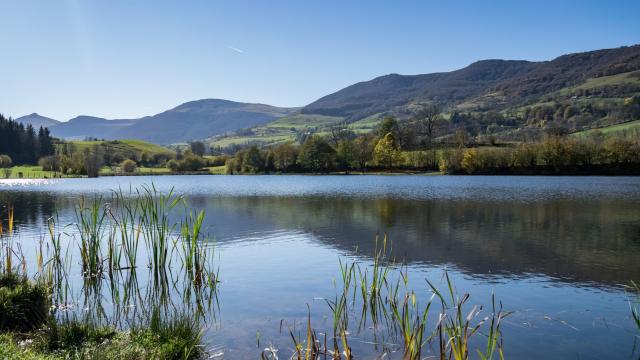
(93, 161)
(339, 132)
(426, 118)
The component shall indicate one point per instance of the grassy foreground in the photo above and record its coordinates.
(81, 342)
(29, 330)
(36, 172)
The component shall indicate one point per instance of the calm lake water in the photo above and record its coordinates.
(555, 250)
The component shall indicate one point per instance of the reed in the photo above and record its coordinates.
(57, 267)
(165, 313)
(10, 218)
(156, 227)
(91, 226)
(635, 304)
(396, 311)
(411, 323)
(125, 217)
(455, 329)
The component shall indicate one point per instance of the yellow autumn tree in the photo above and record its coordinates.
(386, 152)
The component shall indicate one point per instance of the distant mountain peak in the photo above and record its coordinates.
(36, 120)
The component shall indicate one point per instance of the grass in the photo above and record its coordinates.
(304, 121)
(217, 170)
(627, 78)
(141, 170)
(36, 172)
(178, 339)
(38, 318)
(267, 138)
(31, 172)
(127, 148)
(24, 305)
(631, 127)
(285, 129)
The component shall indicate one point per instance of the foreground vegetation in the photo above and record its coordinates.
(30, 332)
(49, 317)
(377, 298)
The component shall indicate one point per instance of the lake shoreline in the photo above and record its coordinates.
(631, 172)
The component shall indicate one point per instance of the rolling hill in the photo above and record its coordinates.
(201, 119)
(84, 126)
(513, 98)
(190, 121)
(494, 84)
(126, 149)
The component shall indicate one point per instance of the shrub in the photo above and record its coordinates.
(421, 159)
(24, 305)
(191, 162)
(49, 163)
(470, 161)
(451, 161)
(173, 165)
(217, 160)
(5, 161)
(524, 156)
(188, 162)
(129, 166)
(620, 150)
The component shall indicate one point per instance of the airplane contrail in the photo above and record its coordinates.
(236, 49)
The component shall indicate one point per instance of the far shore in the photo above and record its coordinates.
(38, 173)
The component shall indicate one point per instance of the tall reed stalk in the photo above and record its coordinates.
(91, 229)
(635, 304)
(396, 311)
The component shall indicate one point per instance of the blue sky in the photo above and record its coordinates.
(124, 59)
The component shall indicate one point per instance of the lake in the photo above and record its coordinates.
(557, 251)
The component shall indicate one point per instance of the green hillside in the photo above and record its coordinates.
(608, 104)
(624, 129)
(131, 149)
(284, 129)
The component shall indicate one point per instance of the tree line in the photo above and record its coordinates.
(70, 159)
(415, 145)
(23, 144)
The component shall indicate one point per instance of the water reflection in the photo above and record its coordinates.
(587, 241)
(591, 241)
(555, 250)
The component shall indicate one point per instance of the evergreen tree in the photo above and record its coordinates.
(24, 145)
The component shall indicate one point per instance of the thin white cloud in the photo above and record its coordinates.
(235, 49)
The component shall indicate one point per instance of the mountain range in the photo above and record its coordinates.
(190, 121)
(487, 85)
(498, 83)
